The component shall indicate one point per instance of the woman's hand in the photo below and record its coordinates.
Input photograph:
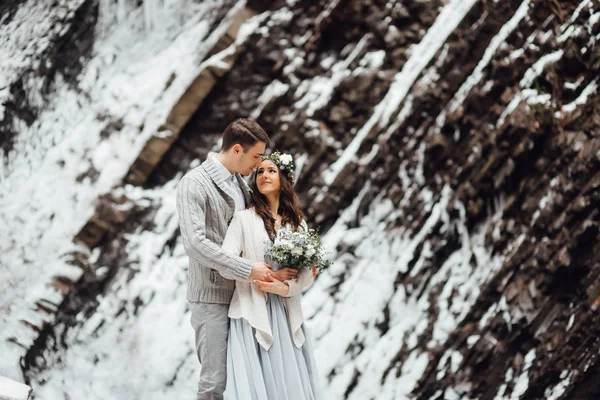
(272, 285)
(284, 274)
(315, 271)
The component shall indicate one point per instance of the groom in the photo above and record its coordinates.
(207, 198)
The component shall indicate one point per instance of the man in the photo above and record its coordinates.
(207, 198)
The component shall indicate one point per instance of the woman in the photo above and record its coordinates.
(268, 355)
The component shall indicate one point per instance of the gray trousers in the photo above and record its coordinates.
(211, 327)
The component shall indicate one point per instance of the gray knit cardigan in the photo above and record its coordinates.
(205, 210)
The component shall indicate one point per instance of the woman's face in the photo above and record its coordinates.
(267, 178)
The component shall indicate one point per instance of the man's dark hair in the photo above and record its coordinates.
(245, 132)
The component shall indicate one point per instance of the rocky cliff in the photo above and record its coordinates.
(450, 150)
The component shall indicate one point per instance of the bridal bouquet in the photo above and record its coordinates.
(297, 249)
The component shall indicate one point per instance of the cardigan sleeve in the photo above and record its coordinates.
(192, 221)
(234, 241)
(302, 281)
(304, 278)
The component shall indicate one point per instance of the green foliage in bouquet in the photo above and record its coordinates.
(297, 249)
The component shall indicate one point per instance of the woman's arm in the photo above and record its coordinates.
(304, 279)
(287, 288)
(272, 285)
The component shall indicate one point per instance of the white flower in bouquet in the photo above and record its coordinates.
(286, 243)
(297, 249)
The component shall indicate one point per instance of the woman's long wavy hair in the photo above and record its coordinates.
(289, 204)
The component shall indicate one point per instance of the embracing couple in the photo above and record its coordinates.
(247, 315)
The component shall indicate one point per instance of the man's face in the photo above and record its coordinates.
(249, 159)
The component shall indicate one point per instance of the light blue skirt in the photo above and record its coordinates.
(284, 372)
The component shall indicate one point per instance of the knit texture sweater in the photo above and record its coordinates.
(205, 209)
(246, 237)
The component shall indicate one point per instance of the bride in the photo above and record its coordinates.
(269, 354)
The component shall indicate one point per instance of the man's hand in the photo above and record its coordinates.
(272, 285)
(285, 273)
(259, 271)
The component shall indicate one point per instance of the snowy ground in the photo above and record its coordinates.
(12, 390)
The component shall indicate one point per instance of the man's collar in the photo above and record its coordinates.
(213, 167)
(216, 170)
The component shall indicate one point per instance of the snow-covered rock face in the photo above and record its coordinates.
(449, 150)
(73, 136)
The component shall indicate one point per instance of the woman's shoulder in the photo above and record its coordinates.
(248, 213)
